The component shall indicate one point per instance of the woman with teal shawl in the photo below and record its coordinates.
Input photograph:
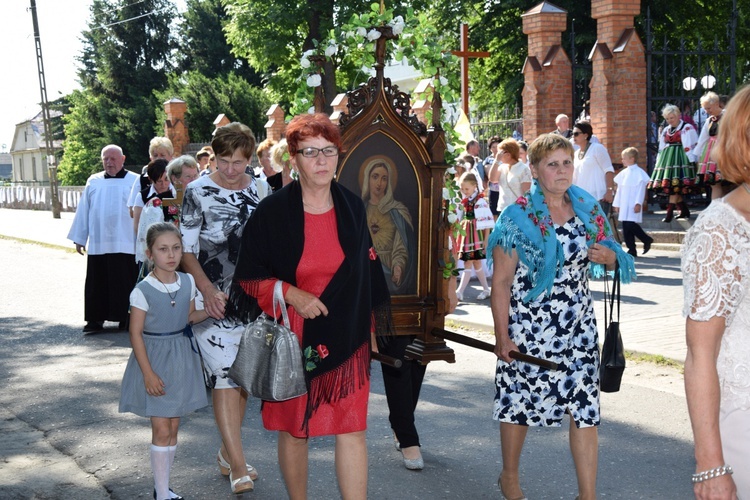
(544, 247)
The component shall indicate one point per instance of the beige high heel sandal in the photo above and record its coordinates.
(225, 467)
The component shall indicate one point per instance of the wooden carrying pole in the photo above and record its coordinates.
(386, 360)
(485, 346)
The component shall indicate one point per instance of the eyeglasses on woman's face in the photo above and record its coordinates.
(311, 152)
(576, 134)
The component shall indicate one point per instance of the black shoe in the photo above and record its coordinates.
(633, 252)
(647, 246)
(93, 326)
(178, 497)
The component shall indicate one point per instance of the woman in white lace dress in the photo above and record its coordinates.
(716, 274)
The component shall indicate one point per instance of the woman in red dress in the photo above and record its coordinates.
(313, 236)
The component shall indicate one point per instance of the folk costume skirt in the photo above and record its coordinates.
(674, 173)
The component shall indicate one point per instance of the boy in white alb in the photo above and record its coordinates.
(631, 191)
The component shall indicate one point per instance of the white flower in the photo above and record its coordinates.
(361, 31)
(373, 35)
(446, 194)
(311, 111)
(350, 34)
(398, 25)
(443, 81)
(452, 218)
(305, 101)
(304, 62)
(451, 170)
(331, 49)
(313, 80)
(308, 53)
(451, 148)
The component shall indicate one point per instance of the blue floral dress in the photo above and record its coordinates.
(560, 327)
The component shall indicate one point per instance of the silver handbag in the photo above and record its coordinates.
(269, 360)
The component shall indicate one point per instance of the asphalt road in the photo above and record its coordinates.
(62, 438)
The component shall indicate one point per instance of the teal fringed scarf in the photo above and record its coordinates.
(527, 227)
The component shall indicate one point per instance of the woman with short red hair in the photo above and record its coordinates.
(312, 235)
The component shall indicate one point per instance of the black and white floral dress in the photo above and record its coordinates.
(213, 218)
(560, 327)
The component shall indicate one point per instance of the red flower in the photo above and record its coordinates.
(600, 221)
(322, 351)
(522, 201)
(156, 202)
(373, 254)
(600, 236)
(172, 210)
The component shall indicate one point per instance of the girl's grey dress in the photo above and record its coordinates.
(172, 354)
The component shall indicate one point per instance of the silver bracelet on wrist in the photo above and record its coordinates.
(712, 473)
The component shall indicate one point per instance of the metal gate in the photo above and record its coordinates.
(582, 74)
(679, 73)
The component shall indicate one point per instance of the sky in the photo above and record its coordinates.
(60, 26)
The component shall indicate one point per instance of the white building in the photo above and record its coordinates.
(28, 151)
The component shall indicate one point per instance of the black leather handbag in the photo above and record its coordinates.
(613, 353)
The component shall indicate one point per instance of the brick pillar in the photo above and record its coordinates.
(175, 128)
(221, 120)
(339, 104)
(275, 125)
(618, 86)
(547, 72)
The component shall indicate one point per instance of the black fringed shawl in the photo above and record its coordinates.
(357, 296)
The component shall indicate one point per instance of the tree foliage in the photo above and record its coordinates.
(290, 28)
(203, 46)
(126, 56)
(84, 136)
(207, 97)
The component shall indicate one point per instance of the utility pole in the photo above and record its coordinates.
(51, 163)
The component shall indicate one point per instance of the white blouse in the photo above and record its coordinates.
(715, 270)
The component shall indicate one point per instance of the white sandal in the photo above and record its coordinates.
(241, 485)
(225, 467)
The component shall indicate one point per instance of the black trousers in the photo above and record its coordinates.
(632, 230)
(402, 386)
(109, 280)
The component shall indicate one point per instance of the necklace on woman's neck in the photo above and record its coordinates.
(172, 297)
(582, 151)
(319, 209)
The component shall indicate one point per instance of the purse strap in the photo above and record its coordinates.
(278, 299)
(610, 297)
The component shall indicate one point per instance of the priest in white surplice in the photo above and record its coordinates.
(102, 219)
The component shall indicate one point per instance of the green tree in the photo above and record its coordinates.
(207, 97)
(126, 56)
(203, 46)
(84, 136)
(273, 36)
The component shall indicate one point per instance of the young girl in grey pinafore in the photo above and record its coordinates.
(171, 353)
(163, 379)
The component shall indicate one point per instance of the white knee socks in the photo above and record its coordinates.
(160, 466)
(482, 278)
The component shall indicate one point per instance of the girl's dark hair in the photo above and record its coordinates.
(156, 168)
